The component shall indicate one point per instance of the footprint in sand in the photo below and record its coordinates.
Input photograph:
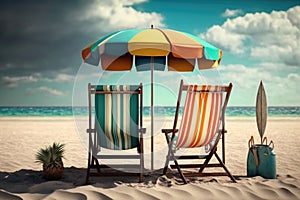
(164, 181)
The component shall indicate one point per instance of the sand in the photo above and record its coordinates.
(22, 178)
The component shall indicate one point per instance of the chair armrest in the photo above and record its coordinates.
(90, 130)
(167, 131)
(225, 131)
(142, 130)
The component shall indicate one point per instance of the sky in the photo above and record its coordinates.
(41, 43)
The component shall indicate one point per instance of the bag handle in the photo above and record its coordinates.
(251, 142)
(254, 150)
(264, 140)
(271, 145)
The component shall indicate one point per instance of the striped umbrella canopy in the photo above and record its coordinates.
(116, 51)
(152, 49)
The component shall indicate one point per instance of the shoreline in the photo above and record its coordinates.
(145, 118)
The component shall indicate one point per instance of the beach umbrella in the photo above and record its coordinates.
(151, 49)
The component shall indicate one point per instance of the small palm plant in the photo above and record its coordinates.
(51, 158)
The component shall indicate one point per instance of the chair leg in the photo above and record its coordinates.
(225, 168)
(166, 164)
(168, 155)
(171, 153)
(141, 169)
(205, 162)
(97, 163)
(210, 155)
(141, 163)
(88, 169)
(179, 170)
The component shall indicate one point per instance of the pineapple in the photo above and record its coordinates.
(51, 158)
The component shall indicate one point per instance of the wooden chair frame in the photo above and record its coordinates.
(93, 158)
(213, 152)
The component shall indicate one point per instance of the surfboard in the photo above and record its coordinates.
(261, 110)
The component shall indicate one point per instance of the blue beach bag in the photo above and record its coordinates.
(261, 160)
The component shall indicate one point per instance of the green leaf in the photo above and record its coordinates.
(51, 154)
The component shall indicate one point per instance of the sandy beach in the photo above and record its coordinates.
(22, 178)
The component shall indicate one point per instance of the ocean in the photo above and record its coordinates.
(158, 111)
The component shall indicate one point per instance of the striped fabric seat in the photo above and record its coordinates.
(201, 116)
(117, 117)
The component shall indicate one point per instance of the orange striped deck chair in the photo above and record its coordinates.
(202, 125)
(115, 126)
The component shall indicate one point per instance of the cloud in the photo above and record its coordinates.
(120, 14)
(281, 89)
(232, 13)
(12, 82)
(225, 39)
(15, 81)
(270, 37)
(60, 77)
(48, 36)
(64, 78)
(51, 91)
(271, 43)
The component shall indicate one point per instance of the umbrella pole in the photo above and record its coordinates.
(152, 113)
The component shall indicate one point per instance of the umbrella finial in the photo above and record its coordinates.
(151, 26)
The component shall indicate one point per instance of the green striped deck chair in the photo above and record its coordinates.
(117, 117)
(202, 125)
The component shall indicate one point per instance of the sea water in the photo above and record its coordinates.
(167, 111)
